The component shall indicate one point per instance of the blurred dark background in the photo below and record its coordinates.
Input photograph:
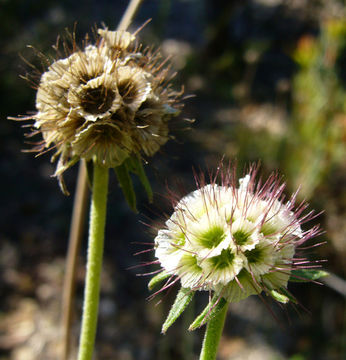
(270, 84)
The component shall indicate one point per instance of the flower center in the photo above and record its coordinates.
(180, 240)
(225, 259)
(212, 237)
(188, 263)
(241, 237)
(97, 100)
(84, 78)
(128, 91)
(254, 256)
(268, 229)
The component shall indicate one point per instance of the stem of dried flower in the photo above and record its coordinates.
(78, 216)
(94, 262)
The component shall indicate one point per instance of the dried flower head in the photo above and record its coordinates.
(105, 102)
(235, 241)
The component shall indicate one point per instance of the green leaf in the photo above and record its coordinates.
(126, 185)
(306, 275)
(182, 300)
(210, 311)
(157, 279)
(135, 165)
(279, 297)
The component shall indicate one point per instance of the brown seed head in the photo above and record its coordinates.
(105, 102)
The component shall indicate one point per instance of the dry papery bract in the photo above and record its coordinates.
(104, 102)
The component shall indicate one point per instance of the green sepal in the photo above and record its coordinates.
(125, 182)
(157, 279)
(89, 165)
(306, 275)
(182, 300)
(210, 311)
(135, 165)
(276, 295)
(285, 292)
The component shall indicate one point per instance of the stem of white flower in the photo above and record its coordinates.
(94, 262)
(213, 335)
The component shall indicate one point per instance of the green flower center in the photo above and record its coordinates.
(224, 260)
(243, 276)
(212, 237)
(180, 239)
(241, 237)
(230, 219)
(191, 262)
(268, 229)
(254, 256)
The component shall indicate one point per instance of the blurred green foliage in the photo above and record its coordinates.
(308, 142)
(315, 143)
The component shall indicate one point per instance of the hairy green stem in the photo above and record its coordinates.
(78, 219)
(213, 335)
(94, 262)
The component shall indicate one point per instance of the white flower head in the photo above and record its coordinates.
(234, 238)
